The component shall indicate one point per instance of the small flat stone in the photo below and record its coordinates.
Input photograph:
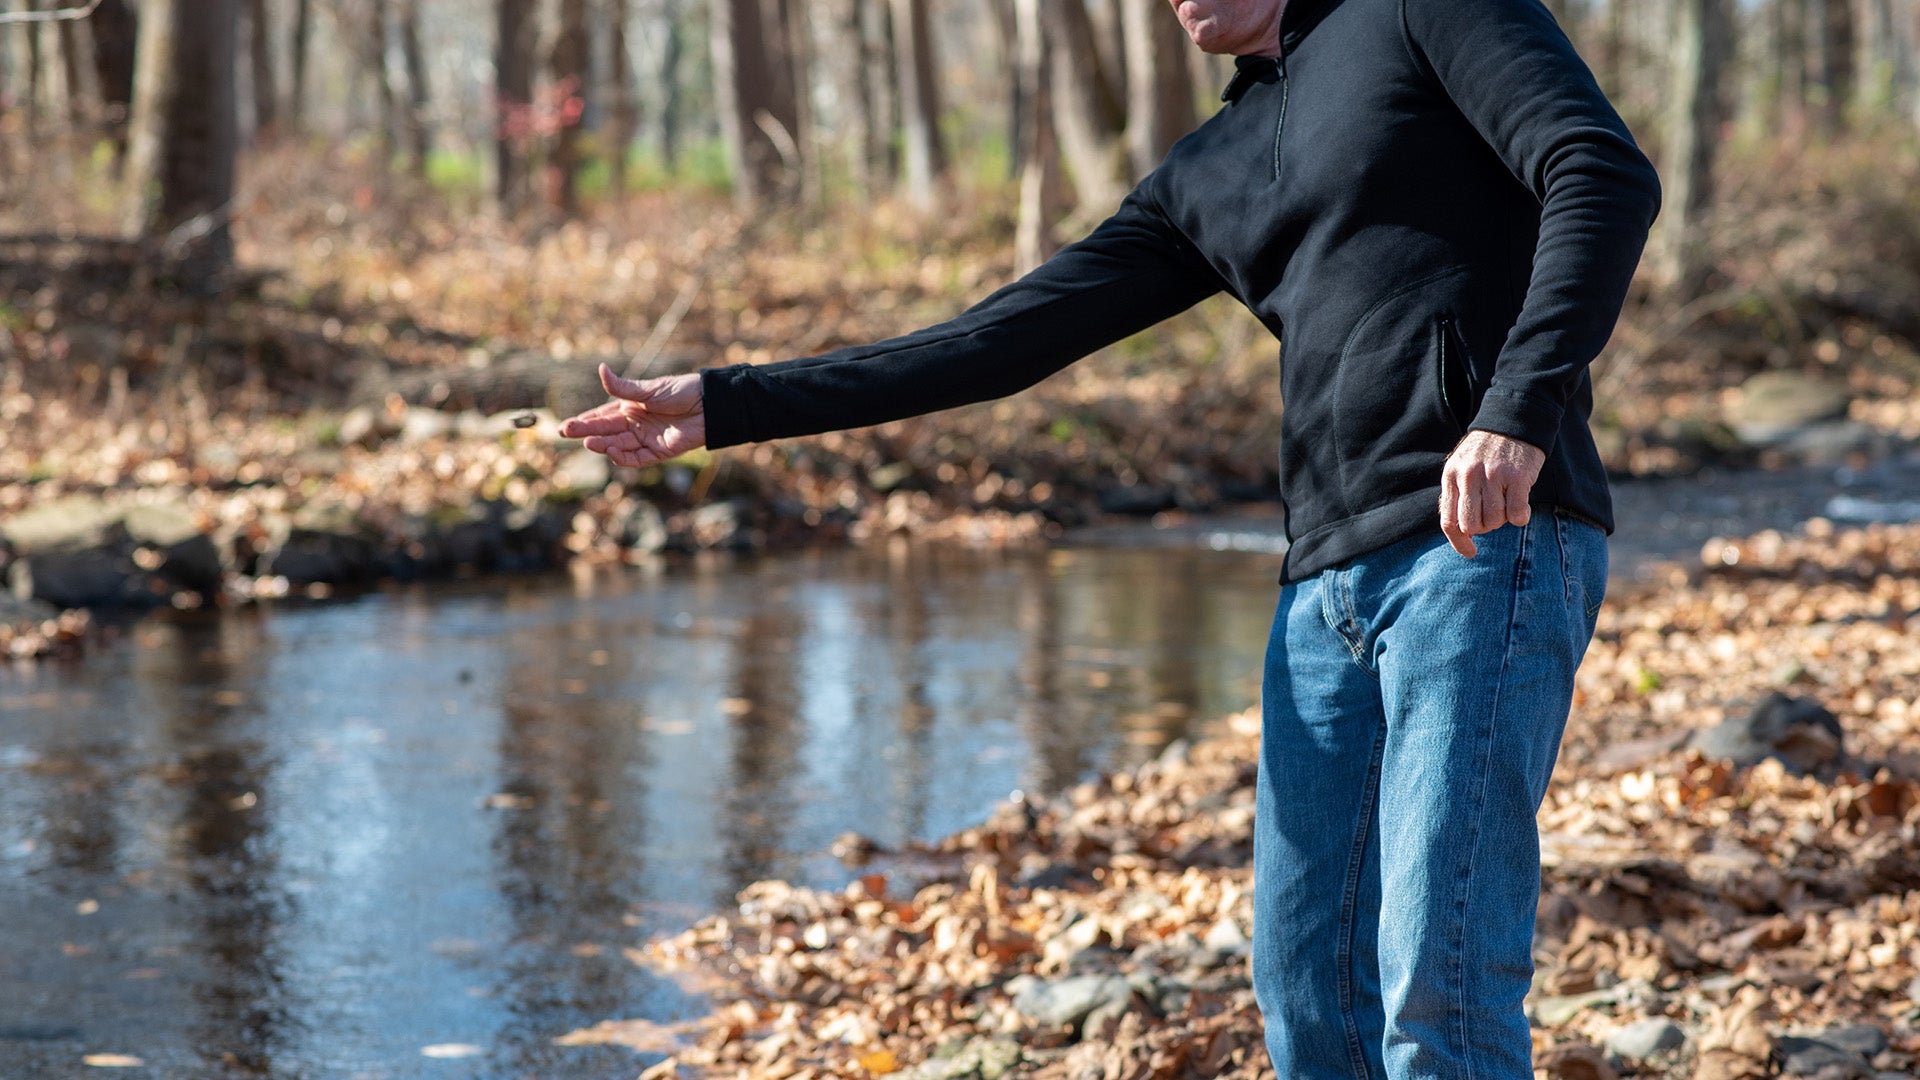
(1863, 1039)
(1802, 1056)
(1647, 1038)
(1065, 1002)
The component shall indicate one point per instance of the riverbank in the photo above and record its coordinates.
(1731, 886)
(344, 413)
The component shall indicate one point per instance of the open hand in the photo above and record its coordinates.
(647, 422)
(1485, 485)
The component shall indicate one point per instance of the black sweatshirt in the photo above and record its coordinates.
(1430, 202)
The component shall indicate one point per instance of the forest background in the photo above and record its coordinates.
(299, 238)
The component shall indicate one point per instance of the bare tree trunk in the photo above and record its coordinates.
(568, 63)
(302, 38)
(619, 96)
(796, 19)
(513, 97)
(419, 100)
(184, 121)
(848, 80)
(82, 75)
(266, 92)
(926, 158)
(1035, 152)
(1829, 61)
(33, 89)
(1790, 61)
(1086, 117)
(671, 54)
(879, 63)
(376, 45)
(1702, 46)
(114, 33)
(1160, 105)
(748, 103)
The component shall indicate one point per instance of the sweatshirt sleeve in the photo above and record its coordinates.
(1132, 271)
(1515, 77)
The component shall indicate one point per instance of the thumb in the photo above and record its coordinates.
(625, 388)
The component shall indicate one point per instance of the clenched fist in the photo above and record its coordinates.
(1485, 485)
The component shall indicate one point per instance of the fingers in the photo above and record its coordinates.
(1517, 510)
(587, 425)
(1450, 515)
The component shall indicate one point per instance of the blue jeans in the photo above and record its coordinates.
(1412, 710)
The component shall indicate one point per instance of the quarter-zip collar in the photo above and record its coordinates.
(1297, 19)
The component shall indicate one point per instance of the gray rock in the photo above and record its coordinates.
(1227, 939)
(1801, 1056)
(1799, 732)
(1863, 1039)
(88, 577)
(1066, 1002)
(1647, 1038)
(362, 427)
(71, 521)
(15, 610)
(985, 1058)
(310, 556)
(1913, 991)
(1140, 500)
(582, 471)
(1775, 405)
(1833, 442)
(1554, 1011)
(1060, 950)
(161, 525)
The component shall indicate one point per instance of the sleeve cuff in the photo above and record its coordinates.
(729, 422)
(1519, 415)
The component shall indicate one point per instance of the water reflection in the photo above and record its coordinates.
(319, 838)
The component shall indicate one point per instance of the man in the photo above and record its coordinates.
(1435, 207)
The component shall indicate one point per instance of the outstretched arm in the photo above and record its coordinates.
(1131, 272)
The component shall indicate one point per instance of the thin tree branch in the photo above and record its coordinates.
(58, 14)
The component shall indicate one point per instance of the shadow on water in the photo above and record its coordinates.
(317, 840)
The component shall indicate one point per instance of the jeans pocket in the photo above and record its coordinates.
(1583, 565)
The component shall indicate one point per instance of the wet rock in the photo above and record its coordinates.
(1067, 1002)
(15, 610)
(1799, 732)
(1863, 1039)
(88, 577)
(1802, 1056)
(582, 471)
(1773, 406)
(1647, 1038)
(309, 557)
(1139, 500)
(187, 557)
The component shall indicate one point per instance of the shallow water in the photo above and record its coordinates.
(315, 840)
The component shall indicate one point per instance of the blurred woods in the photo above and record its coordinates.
(339, 223)
(817, 103)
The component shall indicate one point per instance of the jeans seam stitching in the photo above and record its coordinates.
(1349, 895)
(1480, 801)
